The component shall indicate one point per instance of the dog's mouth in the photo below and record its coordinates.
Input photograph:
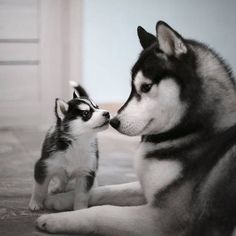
(147, 125)
(135, 132)
(104, 124)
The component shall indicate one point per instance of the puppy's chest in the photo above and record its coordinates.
(77, 160)
(154, 174)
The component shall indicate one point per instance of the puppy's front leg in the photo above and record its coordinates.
(104, 220)
(61, 180)
(82, 189)
(39, 194)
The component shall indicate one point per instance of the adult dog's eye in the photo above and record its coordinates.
(85, 114)
(146, 88)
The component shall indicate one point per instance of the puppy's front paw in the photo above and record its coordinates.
(53, 203)
(35, 205)
(49, 223)
(59, 202)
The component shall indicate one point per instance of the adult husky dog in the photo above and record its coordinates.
(183, 104)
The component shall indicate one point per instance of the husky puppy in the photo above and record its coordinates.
(183, 105)
(70, 150)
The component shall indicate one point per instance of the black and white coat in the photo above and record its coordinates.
(70, 150)
(183, 105)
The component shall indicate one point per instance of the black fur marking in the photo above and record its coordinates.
(179, 131)
(83, 95)
(198, 161)
(74, 112)
(40, 171)
(97, 153)
(90, 180)
(58, 140)
(146, 39)
(81, 91)
(162, 195)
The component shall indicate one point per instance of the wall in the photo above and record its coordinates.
(110, 45)
(39, 53)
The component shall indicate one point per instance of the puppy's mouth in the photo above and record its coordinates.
(104, 124)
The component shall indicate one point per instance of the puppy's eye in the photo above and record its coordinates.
(145, 88)
(85, 114)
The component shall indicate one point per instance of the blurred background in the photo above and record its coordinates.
(46, 43)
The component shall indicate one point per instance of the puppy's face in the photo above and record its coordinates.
(82, 116)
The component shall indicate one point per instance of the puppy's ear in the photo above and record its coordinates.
(146, 39)
(75, 94)
(79, 90)
(61, 107)
(170, 42)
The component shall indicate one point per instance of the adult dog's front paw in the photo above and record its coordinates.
(50, 223)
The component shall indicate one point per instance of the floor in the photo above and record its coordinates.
(20, 148)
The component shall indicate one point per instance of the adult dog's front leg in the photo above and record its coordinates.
(104, 220)
(129, 194)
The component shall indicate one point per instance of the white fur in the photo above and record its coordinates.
(104, 220)
(62, 108)
(84, 107)
(90, 102)
(163, 107)
(73, 83)
(76, 162)
(78, 159)
(155, 174)
(217, 83)
(169, 42)
(128, 194)
(158, 110)
(79, 127)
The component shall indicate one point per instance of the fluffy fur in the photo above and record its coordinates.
(182, 104)
(70, 150)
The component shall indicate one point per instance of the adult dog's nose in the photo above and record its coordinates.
(115, 123)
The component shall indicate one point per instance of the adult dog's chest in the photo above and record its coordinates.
(155, 174)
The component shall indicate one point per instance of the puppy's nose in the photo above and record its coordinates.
(106, 114)
(115, 123)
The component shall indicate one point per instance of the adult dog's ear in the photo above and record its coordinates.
(170, 42)
(146, 39)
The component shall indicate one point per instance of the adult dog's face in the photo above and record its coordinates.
(156, 103)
